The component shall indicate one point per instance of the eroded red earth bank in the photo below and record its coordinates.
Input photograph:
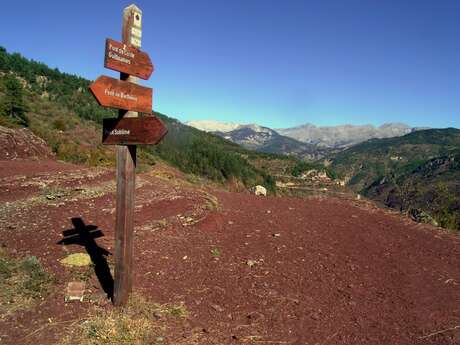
(249, 269)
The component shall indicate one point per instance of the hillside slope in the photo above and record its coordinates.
(418, 173)
(58, 108)
(214, 267)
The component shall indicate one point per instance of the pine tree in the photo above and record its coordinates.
(12, 104)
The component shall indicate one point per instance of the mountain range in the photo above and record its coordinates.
(345, 135)
(306, 141)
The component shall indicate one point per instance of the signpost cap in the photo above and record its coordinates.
(132, 26)
(132, 8)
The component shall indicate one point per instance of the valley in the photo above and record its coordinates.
(355, 243)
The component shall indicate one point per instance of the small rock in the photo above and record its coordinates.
(75, 291)
(251, 263)
(260, 190)
(217, 307)
(315, 316)
(276, 235)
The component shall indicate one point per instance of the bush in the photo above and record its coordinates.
(60, 125)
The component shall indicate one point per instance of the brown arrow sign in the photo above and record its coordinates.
(129, 60)
(133, 131)
(114, 93)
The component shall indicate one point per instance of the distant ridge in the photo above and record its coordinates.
(307, 141)
(212, 125)
(344, 136)
(259, 138)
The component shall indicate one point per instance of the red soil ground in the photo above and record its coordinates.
(284, 270)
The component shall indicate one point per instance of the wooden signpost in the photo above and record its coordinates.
(127, 131)
(114, 93)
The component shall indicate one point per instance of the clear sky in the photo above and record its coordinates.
(276, 63)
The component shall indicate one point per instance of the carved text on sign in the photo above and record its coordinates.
(120, 54)
(130, 60)
(133, 130)
(114, 93)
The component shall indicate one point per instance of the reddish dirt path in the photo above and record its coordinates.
(284, 270)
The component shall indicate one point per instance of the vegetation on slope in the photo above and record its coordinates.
(303, 166)
(207, 155)
(22, 283)
(418, 173)
(59, 108)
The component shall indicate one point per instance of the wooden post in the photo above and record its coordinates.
(126, 165)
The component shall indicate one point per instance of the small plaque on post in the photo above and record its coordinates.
(133, 131)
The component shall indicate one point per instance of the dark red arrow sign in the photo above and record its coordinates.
(133, 131)
(129, 60)
(114, 93)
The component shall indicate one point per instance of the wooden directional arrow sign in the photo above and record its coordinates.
(133, 131)
(126, 59)
(114, 93)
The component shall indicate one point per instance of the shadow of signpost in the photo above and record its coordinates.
(85, 235)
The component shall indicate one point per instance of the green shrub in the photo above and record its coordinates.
(59, 124)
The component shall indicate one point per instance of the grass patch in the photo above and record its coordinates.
(21, 283)
(140, 322)
(82, 273)
(216, 252)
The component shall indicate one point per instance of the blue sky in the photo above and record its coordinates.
(275, 63)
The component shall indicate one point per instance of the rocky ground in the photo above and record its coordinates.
(252, 270)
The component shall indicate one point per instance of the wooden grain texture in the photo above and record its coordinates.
(133, 131)
(124, 223)
(120, 94)
(123, 58)
(126, 167)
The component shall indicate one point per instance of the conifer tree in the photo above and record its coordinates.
(12, 103)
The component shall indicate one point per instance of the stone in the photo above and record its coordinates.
(217, 307)
(260, 190)
(251, 263)
(75, 291)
